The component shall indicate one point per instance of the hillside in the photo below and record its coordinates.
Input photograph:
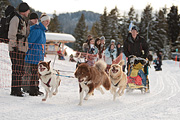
(68, 21)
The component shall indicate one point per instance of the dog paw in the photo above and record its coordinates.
(86, 98)
(120, 94)
(117, 95)
(44, 99)
(54, 93)
(102, 92)
(80, 104)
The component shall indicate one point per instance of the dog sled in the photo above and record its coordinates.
(138, 75)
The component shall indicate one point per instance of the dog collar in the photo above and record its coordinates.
(48, 73)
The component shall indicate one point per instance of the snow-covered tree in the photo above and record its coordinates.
(80, 33)
(3, 5)
(54, 25)
(104, 21)
(132, 16)
(113, 25)
(173, 25)
(159, 40)
(96, 30)
(146, 24)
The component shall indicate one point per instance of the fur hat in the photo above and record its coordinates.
(23, 7)
(33, 16)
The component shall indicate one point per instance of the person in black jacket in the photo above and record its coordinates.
(136, 45)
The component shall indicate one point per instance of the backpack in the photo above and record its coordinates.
(10, 12)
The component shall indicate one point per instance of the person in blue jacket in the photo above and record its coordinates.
(36, 51)
(110, 54)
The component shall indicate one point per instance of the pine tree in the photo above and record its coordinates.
(160, 41)
(3, 5)
(173, 20)
(124, 27)
(113, 25)
(54, 25)
(80, 33)
(96, 30)
(132, 16)
(146, 24)
(104, 21)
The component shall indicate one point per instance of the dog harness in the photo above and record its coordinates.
(117, 78)
(47, 84)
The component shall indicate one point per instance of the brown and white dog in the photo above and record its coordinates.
(49, 79)
(92, 77)
(118, 79)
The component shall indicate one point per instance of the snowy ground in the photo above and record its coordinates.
(161, 103)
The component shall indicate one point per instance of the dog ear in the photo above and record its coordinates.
(121, 63)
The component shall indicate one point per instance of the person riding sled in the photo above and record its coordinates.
(137, 46)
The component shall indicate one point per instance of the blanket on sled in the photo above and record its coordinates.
(137, 75)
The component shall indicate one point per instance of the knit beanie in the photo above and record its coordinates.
(113, 41)
(102, 38)
(23, 7)
(135, 28)
(45, 17)
(33, 16)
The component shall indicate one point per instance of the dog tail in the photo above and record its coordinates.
(100, 65)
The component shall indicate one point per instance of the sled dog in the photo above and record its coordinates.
(118, 79)
(50, 79)
(92, 77)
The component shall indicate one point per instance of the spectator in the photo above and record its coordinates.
(85, 45)
(119, 48)
(60, 55)
(92, 52)
(36, 51)
(98, 45)
(158, 63)
(102, 47)
(33, 19)
(18, 46)
(71, 59)
(110, 55)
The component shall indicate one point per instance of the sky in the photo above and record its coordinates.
(64, 6)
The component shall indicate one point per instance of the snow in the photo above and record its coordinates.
(161, 103)
(60, 37)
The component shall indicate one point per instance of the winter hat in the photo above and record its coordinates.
(102, 38)
(33, 16)
(45, 17)
(118, 43)
(113, 41)
(23, 7)
(135, 28)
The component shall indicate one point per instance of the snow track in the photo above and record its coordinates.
(161, 103)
